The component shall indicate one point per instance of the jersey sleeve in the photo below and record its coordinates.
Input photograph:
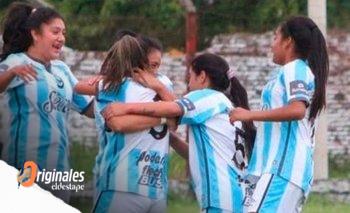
(79, 103)
(10, 62)
(166, 81)
(298, 82)
(200, 105)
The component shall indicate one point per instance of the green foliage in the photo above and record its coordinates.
(92, 24)
(339, 14)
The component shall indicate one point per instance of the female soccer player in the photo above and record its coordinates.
(131, 167)
(282, 155)
(216, 148)
(39, 90)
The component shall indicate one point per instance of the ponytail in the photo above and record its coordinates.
(16, 35)
(319, 64)
(311, 46)
(122, 58)
(239, 97)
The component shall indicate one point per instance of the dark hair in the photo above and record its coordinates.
(123, 32)
(122, 59)
(147, 42)
(216, 69)
(20, 19)
(151, 44)
(310, 45)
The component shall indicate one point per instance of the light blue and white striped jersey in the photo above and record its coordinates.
(286, 148)
(133, 162)
(36, 114)
(213, 146)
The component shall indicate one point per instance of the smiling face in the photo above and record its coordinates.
(50, 39)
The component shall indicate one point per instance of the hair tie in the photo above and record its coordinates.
(230, 74)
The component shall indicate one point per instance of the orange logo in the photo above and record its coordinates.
(27, 175)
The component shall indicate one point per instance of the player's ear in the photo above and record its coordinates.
(202, 76)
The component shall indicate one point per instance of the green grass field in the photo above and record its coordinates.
(315, 204)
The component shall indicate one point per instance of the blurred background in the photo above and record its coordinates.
(239, 30)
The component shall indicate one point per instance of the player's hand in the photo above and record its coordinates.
(26, 72)
(240, 114)
(147, 79)
(112, 110)
(94, 79)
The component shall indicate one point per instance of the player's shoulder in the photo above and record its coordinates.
(60, 64)
(163, 78)
(14, 58)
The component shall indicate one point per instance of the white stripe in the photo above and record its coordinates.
(259, 143)
(224, 183)
(291, 199)
(275, 133)
(194, 166)
(259, 192)
(299, 160)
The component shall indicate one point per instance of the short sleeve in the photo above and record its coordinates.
(10, 62)
(298, 81)
(201, 105)
(166, 81)
(80, 103)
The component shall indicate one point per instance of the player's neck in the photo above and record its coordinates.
(36, 55)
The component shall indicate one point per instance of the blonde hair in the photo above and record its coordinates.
(122, 59)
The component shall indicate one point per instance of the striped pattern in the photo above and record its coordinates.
(275, 194)
(135, 162)
(214, 175)
(37, 112)
(286, 148)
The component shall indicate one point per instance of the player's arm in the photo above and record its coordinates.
(180, 146)
(88, 86)
(293, 111)
(155, 109)
(25, 72)
(132, 123)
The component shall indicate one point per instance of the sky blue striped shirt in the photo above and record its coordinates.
(212, 147)
(286, 148)
(133, 162)
(36, 114)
